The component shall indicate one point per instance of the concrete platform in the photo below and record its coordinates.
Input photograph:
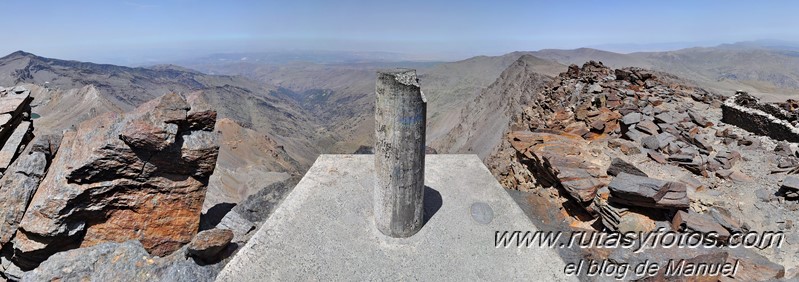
(324, 230)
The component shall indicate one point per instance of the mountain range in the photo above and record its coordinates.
(293, 111)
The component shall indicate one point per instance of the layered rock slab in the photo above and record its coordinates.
(561, 160)
(140, 176)
(21, 181)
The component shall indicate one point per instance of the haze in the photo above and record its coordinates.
(131, 32)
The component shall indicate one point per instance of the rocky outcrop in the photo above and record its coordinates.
(141, 175)
(671, 165)
(747, 112)
(562, 161)
(16, 128)
(21, 181)
(127, 261)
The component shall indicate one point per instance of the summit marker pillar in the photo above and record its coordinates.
(400, 124)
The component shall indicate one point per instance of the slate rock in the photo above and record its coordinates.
(642, 191)
(618, 166)
(692, 221)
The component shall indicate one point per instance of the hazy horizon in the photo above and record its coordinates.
(136, 32)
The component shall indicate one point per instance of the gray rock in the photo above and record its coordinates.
(241, 227)
(618, 166)
(127, 261)
(723, 217)
(595, 88)
(633, 134)
(791, 182)
(20, 183)
(642, 191)
(650, 142)
(691, 221)
(631, 118)
(783, 149)
(647, 127)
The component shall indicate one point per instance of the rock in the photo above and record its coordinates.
(650, 142)
(699, 119)
(691, 183)
(560, 160)
(112, 184)
(634, 222)
(634, 135)
(631, 118)
(647, 127)
(783, 149)
(625, 146)
(715, 258)
(791, 182)
(657, 157)
(691, 221)
(595, 88)
(207, 245)
(702, 141)
(618, 166)
(734, 175)
(658, 141)
(622, 74)
(9, 270)
(20, 183)
(727, 159)
(752, 266)
(11, 148)
(667, 118)
(241, 227)
(642, 191)
(790, 187)
(725, 219)
(681, 158)
(127, 261)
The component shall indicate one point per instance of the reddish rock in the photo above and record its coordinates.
(119, 177)
(657, 157)
(207, 245)
(560, 160)
(625, 146)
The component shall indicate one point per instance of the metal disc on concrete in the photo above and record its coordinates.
(482, 213)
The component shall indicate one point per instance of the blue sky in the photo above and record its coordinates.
(109, 30)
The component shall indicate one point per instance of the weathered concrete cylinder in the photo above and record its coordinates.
(400, 123)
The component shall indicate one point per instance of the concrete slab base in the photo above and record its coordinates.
(325, 230)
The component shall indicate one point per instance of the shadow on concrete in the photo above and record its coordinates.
(432, 202)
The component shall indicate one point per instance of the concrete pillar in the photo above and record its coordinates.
(400, 123)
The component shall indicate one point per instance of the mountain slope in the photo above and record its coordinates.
(248, 161)
(89, 89)
(449, 87)
(485, 120)
(767, 72)
(342, 95)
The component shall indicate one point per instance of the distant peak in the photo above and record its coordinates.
(18, 54)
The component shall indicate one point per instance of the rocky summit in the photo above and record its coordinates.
(633, 150)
